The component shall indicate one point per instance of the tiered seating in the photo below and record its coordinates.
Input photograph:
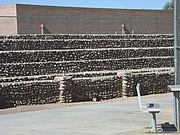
(8, 45)
(29, 69)
(78, 55)
(88, 36)
(93, 61)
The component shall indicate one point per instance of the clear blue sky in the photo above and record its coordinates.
(127, 4)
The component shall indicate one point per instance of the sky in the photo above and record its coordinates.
(124, 4)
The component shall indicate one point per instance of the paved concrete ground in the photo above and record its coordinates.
(115, 117)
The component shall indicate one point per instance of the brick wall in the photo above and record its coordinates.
(8, 20)
(27, 19)
(73, 20)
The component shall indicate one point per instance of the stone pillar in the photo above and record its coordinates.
(125, 84)
(64, 88)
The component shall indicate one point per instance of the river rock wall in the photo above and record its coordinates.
(95, 65)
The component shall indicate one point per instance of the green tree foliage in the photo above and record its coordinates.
(169, 5)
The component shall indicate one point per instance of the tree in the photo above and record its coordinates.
(169, 5)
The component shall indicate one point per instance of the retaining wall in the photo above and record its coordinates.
(29, 64)
(28, 93)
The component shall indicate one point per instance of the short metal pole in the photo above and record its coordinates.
(176, 111)
(154, 124)
(123, 29)
(42, 28)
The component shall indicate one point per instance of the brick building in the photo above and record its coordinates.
(34, 19)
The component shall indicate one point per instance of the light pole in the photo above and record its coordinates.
(177, 41)
(176, 88)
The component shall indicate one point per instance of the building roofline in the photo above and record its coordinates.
(91, 7)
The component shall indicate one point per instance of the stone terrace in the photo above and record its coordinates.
(98, 67)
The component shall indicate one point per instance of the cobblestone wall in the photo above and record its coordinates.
(8, 45)
(151, 83)
(88, 36)
(28, 93)
(89, 89)
(93, 62)
(77, 55)
(29, 69)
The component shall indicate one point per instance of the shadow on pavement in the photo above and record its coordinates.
(167, 127)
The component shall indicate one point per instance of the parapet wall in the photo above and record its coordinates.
(96, 65)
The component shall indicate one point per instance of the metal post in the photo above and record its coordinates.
(177, 61)
(123, 29)
(176, 111)
(177, 41)
(132, 32)
(42, 28)
(154, 124)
